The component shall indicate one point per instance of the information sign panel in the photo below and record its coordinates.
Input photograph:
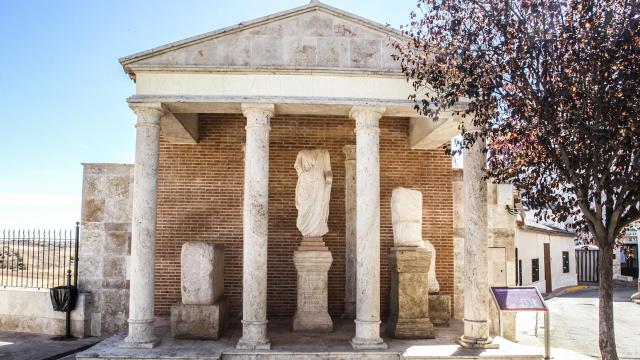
(521, 298)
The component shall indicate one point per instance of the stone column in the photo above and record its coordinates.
(476, 277)
(367, 227)
(255, 219)
(143, 228)
(350, 231)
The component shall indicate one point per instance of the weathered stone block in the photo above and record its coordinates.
(202, 273)
(312, 311)
(365, 53)
(333, 52)
(409, 315)
(93, 210)
(199, 321)
(440, 309)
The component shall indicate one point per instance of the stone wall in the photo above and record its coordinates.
(200, 199)
(30, 310)
(105, 238)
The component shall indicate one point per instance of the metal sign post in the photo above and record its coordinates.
(522, 298)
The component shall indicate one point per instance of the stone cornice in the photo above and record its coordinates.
(288, 70)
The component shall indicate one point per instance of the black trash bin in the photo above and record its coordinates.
(63, 298)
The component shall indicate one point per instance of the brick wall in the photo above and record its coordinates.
(200, 198)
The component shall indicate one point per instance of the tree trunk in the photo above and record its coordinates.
(607, 340)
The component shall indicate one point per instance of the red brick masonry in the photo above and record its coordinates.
(200, 198)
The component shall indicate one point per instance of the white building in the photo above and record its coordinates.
(545, 256)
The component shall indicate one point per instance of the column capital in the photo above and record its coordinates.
(368, 111)
(149, 114)
(349, 152)
(255, 110)
(367, 117)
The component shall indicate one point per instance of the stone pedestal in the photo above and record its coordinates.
(439, 309)
(312, 266)
(409, 315)
(202, 272)
(199, 321)
(202, 314)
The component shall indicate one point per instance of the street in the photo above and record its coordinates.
(574, 323)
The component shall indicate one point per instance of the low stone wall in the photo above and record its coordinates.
(30, 310)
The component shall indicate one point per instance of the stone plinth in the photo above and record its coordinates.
(312, 312)
(202, 314)
(409, 315)
(202, 273)
(439, 309)
(199, 321)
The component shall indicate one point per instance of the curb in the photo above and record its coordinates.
(567, 290)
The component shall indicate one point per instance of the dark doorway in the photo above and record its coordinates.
(547, 268)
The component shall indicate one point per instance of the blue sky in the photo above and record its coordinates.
(62, 90)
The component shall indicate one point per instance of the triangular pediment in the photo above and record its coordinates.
(314, 36)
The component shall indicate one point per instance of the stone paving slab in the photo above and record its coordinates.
(289, 345)
(28, 346)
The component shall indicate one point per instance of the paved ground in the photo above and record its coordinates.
(574, 323)
(25, 346)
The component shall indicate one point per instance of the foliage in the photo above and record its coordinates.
(554, 87)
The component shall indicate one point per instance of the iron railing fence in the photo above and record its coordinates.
(38, 258)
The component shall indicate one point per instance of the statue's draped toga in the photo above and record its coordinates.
(313, 191)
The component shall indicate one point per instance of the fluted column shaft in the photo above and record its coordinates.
(476, 280)
(143, 229)
(255, 224)
(367, 227)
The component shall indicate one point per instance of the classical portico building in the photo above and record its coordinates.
(221, 118)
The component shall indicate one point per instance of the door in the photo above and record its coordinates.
(547, 267)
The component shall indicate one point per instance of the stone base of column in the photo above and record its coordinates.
(141, 335)
(254, 336)
(409, 300)
(367, 336)
(482, 340)
(473, 343)
(312, 266)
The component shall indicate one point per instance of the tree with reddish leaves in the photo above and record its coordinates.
(554, 88)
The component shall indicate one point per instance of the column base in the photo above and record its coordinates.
(252, 345)
(254, 336)
(368, 336)
(140, 345)
(141, 335)
(368, 344)
(475, 343)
